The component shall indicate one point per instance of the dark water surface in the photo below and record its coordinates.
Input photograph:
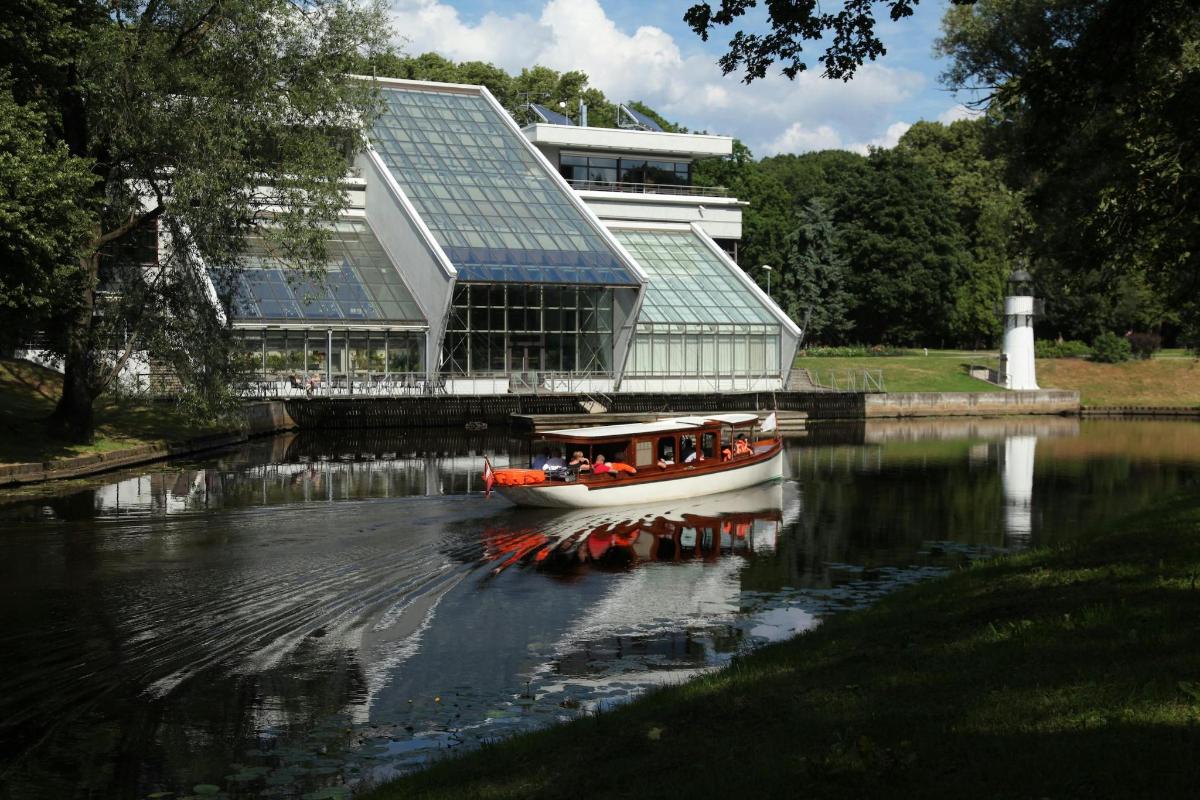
(286, 618)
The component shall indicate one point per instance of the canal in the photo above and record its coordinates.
(310, 610)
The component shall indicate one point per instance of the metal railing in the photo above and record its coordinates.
(650, 188)
(849, 380)
(395, 384)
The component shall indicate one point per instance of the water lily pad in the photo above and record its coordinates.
(206, 789)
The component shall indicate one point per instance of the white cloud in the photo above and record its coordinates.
(798, 139)
(772, 115)
(957, 112)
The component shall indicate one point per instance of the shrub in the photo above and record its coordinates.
(1144, 345)
(1110, 348)
(1047, 348)
(852, 351)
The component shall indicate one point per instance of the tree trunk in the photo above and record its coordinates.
(73, 419)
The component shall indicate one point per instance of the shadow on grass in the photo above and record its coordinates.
(28, 394)
(1066, 673)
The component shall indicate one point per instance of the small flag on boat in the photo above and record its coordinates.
(489, 477)
(770, 423)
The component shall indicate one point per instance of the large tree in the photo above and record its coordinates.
(907, 251)
(203, 122)
(986, 209)
(814, 277)
(41, 227)
(1097, 105)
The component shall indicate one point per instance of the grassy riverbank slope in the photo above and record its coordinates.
(28, 394)
(1061, 673)
(1171, 379)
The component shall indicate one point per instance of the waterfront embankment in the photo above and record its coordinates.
(1062, 672)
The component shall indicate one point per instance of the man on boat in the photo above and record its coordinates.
(539, 461)
(600, 466)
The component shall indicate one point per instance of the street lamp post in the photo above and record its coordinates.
(767, 269)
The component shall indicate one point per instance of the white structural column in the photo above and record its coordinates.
(1018, 367)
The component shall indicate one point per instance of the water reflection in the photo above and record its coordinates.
(309, 610)
(705, 528)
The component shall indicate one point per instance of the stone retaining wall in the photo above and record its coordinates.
(980, 404)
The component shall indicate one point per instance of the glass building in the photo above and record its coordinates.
(477, 257)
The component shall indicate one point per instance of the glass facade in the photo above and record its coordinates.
(493, 207)
(615, 171)
(343, 357)
(360, 284)
(697, 318)
(534, 328)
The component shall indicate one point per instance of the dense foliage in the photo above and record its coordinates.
(1086, 162)
(193, 122)
(917, 239)
(1097, 106)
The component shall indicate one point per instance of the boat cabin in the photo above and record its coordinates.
(665, 447)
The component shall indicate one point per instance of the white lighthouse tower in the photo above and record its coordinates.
(1017, 369)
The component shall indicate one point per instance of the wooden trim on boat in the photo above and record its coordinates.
(654, 474)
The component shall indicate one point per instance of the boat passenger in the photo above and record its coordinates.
(663, 463)
(539, 461)
(555, 461)
(579, 463)
(742, 447)
(600, 466)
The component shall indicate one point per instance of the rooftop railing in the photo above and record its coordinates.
(651, 188)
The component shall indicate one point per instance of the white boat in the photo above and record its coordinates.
(653, 461)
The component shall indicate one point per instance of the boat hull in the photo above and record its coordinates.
(580, 495)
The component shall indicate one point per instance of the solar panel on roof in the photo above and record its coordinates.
(637, 119)
(550, 117)
(363, 286)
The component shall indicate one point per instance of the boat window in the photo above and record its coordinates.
(687, 448)
(666, 448)
(615, 451)
(708, 444)
(645, 454)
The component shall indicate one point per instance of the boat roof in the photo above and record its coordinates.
(632, 429)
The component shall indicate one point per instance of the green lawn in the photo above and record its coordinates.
(940, 371)
(28, 394)
(1062, 673)
(1171, 378)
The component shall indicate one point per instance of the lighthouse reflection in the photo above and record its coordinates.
(699, 529)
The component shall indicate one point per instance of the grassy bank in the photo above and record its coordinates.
(1171, 379)
(1064, 673)
(940, 371)
(28, 394)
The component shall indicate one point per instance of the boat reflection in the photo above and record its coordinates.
(736, 523)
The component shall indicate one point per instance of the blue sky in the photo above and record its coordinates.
(643, 51)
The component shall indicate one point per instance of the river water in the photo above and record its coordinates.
(287, 618)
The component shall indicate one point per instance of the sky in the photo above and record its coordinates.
(642, 50)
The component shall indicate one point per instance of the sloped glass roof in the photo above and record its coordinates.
(688, 283)
(361, 284)
(495, 210)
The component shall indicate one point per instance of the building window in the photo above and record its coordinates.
(596, 171)
(529, 328)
